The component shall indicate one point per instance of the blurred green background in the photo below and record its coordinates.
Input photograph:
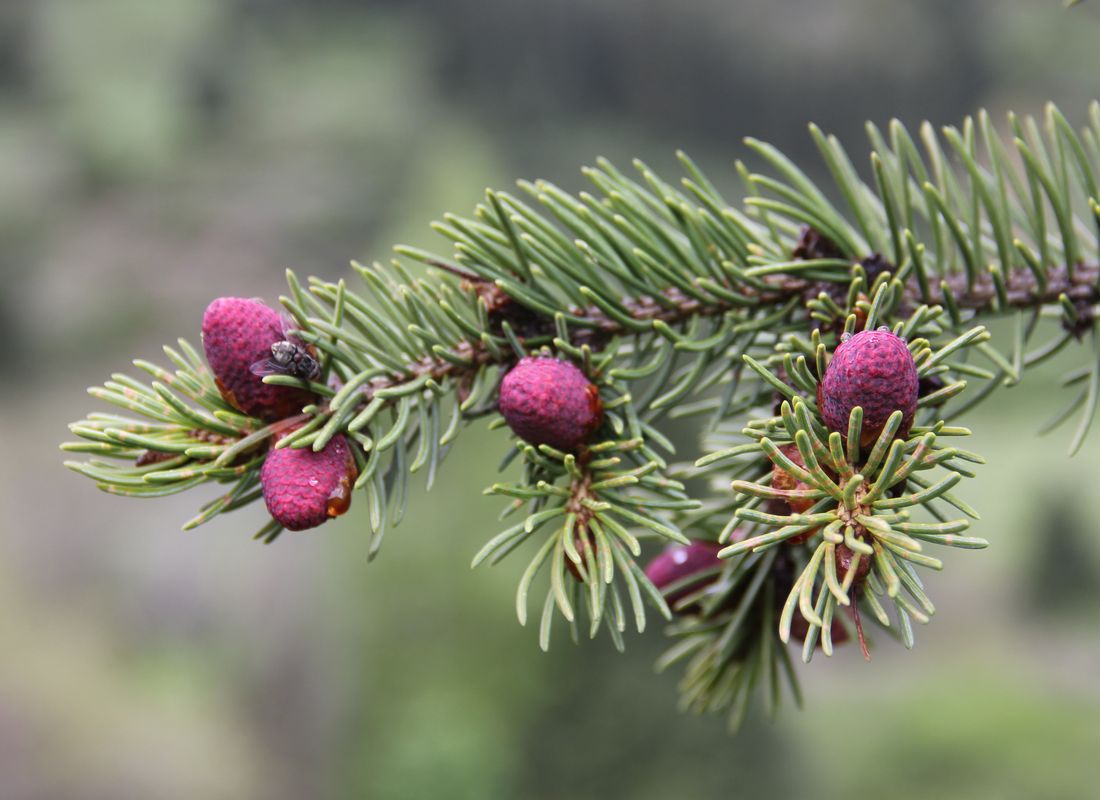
(156, 154)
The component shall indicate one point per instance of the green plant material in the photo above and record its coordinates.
(186, 436)
(684, 304)
(592, 510)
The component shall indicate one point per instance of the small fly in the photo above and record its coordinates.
(290, 357)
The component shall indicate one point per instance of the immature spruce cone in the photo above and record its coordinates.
(844, 558)
(783, 480)
(302, 488)
(547, 401)
(236, 333)
(679, 561)
(875, 370)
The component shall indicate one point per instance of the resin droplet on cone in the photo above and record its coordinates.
(547, 401)
(237, 332)
(874, 370)
(302, 488)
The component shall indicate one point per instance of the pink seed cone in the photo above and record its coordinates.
(302, 488)
(236, 333)
(874, 370)
(547, 401)
(679, 561)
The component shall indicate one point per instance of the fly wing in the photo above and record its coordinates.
(266, 367)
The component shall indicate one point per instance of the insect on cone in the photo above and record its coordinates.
(237, 333)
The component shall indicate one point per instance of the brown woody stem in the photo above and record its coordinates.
(1023, 291)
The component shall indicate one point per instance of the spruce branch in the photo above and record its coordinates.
(679, 303)
(588, 503)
